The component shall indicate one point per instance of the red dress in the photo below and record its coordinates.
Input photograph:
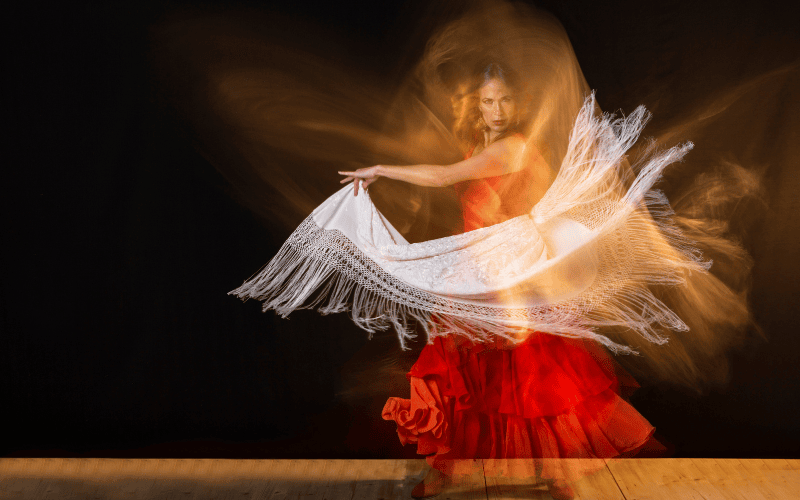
(548, 398)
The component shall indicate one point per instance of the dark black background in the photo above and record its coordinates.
(118, 336)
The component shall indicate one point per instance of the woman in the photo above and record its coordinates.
(546, 273)
(546, 398)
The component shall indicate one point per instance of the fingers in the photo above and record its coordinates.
(361, 173)
(364, 183)
(360, 182)
(362, 177)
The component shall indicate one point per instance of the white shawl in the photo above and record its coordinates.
(583, 261)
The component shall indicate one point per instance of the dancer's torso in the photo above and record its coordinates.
(492, 200)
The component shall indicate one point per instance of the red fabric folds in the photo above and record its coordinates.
(548, 399)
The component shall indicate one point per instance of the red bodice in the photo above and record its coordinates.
(491, 200)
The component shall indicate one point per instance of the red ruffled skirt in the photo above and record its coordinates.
(522, 410)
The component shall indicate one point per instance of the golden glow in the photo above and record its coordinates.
(279, 122)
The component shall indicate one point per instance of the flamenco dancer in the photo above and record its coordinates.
(546, 397)
(565, 254)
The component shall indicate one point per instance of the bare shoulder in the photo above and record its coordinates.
(510, 145)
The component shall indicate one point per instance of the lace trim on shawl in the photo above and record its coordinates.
(636, 245)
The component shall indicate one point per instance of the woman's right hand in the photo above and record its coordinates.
(363, 176)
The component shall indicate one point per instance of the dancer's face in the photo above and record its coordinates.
(497, 106)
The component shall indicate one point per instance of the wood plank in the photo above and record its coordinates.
(246, 478)
(503, 487)
(657, 478)
(287, 481)
(599, 484)
(114, 479)
(412, 472)
(387, 479)
(631, 476)
(697, 481)
(725, 480)
(132, 479)
(758, 477)
(706, 478)
(241, 479)
(333, 479)
(786, 478)
(741, 479)
(773, 479)
(467, 487)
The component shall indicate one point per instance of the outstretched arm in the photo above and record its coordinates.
(498, 159)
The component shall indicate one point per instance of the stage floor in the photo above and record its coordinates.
(193, 479)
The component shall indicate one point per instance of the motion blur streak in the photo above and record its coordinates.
(279, 120)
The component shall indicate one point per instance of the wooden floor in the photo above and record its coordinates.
(54, 478)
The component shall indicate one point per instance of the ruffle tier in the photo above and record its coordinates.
(551, 407)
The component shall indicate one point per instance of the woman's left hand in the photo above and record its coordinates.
(362, 176)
